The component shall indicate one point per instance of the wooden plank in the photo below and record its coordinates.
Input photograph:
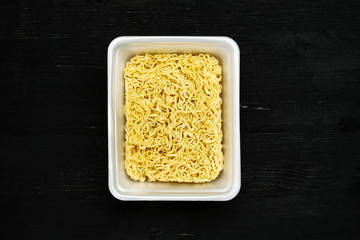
(300, 127)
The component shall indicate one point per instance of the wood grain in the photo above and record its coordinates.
(300, 127)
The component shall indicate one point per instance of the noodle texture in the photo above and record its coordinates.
(173, 118)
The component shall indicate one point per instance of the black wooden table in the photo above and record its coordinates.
(300, 120)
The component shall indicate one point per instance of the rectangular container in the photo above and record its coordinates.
(227, 185)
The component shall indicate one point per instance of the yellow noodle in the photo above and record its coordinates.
(173, 118)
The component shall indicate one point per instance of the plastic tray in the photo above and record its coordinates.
(227, 185)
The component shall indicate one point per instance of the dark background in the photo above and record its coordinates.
(300, 120)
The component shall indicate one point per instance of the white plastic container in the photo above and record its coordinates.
(227, 185)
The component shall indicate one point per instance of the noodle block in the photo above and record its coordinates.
(173, 118)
